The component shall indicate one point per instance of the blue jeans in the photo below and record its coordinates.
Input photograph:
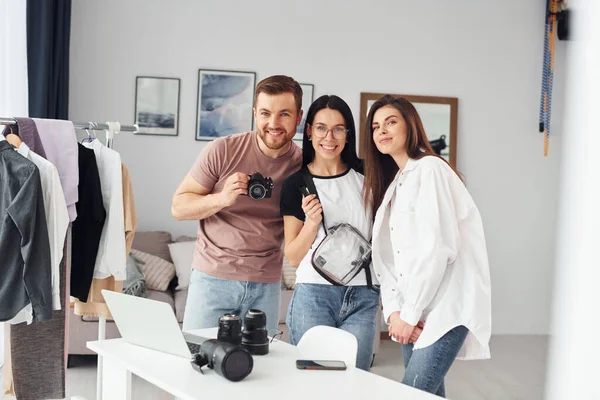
(426, 368)
(351, 308)
(210, 297)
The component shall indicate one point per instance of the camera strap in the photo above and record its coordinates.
(310, 184)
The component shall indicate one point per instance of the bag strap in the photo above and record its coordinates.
(310, 184)
(368, 273)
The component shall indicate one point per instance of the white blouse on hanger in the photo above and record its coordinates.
(111, 259)
(57, 215)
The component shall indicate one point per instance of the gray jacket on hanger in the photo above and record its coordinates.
(25, 270)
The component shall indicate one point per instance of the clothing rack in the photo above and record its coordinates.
(92, 126)
(111, 129)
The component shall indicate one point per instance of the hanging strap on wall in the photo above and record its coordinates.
(548, 71)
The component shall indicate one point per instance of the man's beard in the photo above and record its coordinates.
(271, 143)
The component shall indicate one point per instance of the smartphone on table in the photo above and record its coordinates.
(325, 365)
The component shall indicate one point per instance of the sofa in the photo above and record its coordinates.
(83, 329)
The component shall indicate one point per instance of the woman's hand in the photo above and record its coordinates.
(312, 209)
(417, 332)
(400, 330)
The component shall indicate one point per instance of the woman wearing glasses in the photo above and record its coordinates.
(429, 249)
(329, 156)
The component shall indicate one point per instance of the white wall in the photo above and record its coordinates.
(488, 54)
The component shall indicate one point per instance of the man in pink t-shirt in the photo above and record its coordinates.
(238, 255)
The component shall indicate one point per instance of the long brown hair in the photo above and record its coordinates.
(380, 169)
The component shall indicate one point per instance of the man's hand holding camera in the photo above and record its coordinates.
(235, 185)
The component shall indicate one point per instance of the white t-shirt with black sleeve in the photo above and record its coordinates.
(341, 199)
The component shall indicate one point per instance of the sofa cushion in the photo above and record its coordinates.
(186, 239)
(286, 297)
(180, 300)
(165, 297)
(157, 271)
(182, 254)
(155, 243)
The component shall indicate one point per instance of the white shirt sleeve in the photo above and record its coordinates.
(383, 265)
(437, 238)
(390, 293)
(57, 216)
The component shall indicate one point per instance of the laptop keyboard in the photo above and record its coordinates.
(193, 342)
(194, 347)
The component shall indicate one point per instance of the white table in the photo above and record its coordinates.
(274, 376)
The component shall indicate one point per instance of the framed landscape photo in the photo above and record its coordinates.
(157, 105)
(225, 100)
(307, 99)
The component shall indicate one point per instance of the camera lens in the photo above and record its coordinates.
(230, 329)
(228, 360)
(257, 191)
(255, 337)
(255, 319)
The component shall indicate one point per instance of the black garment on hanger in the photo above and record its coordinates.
(25, 270)
(87, 228)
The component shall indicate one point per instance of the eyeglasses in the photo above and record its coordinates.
(276, 336)
(320, 131)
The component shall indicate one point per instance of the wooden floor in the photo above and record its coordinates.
(516, 371)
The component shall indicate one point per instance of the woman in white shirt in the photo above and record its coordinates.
(429, 250)
(329, 158)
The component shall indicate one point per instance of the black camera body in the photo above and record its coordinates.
(438, 144)
(259, 187)
(230, 355)
(254, 337)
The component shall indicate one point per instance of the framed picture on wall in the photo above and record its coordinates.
(307, 99)
(157, 105)
(225, 100)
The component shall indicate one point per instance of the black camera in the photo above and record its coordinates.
(230, 329)
(259, 187)
(232, 362)
(255, 337)
(438, 144)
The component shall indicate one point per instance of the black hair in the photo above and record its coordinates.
(349, 156)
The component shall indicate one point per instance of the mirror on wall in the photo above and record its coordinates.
(439, 116)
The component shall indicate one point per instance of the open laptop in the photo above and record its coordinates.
(151, 324)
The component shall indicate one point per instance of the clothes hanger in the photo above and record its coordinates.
(89, 137)
(13, 138)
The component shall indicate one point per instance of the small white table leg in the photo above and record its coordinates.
(101, 336)
(116, 381)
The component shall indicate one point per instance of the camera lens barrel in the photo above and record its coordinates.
(257, 191)
(255, 337)
(231, 361)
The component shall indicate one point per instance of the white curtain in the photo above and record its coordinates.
(13, 59)
(13, 75)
